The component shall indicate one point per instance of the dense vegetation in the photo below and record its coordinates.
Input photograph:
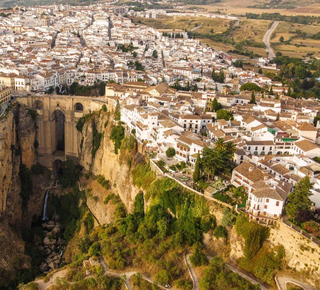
(261, 260)
(301, 19)
(69, 174)
(98, 89)
(117, 135)
(67, 207)
(219, 277)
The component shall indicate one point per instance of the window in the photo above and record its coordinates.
(277, 203)
(256, 147)
(275, 215)
(265, 206)
(267, 200)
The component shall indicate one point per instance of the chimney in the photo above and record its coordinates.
(251, 169)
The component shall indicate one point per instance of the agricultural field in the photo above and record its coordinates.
(296, 40)
(199, 24)
(285, 7)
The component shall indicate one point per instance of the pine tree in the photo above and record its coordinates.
(221, 77)
(214, 75)
(196, 172)
(289, 91)
(299, 200)
(253, 98)
(278, 117)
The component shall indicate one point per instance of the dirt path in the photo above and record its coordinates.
(52, 280)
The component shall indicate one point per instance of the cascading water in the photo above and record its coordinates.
(45, 206)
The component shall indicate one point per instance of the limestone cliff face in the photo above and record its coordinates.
(9, 172)
(17, 135)
(106, 162)
(26, 136)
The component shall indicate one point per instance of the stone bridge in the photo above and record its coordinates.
(58, 115)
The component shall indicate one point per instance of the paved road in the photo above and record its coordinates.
(282, 281)
(266, 40)
(192, 272)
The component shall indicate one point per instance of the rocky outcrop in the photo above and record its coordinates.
(113, 167)
(52, 246)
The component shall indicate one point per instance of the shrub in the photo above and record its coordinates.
(163, 277)
(94, 249)
(143, 176)
(170, 152)
(117, 135)
(229, 217)
(220, 232)
(103, 182)
(198, 258)
(80, 124)
(312, 227)
(96, 142)
(253, 234)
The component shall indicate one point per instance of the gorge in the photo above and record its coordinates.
(120, 192)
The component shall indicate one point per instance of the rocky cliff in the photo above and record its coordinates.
(114, 167)
(17, 140)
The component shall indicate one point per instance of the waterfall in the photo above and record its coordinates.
(45, 206)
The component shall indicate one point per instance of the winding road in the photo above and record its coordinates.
(266, 40)
(127, 275)
(192, 272)
(282, 281)
(233, 269)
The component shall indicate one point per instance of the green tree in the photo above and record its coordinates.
(221, 77)
(224, 114)
(220, 232)
(215, 105)
(163, 277)
(299, 200)
(253, 98)
(117, 135)
(198, 258)
(215, 77)
(196, 172)
(281, 39)
(155, 54)
(170, 152)
(229, 217)
(250, 87)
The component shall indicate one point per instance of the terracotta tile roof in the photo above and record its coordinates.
(250, 171)
(306, 127)
(306, 145)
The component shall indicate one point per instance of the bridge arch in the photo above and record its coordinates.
(58, 130)
(78, 107)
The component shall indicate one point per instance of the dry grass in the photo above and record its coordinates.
(217, 45)
(250, 29)
(294, 49)
(205, 24)
(241, 7)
